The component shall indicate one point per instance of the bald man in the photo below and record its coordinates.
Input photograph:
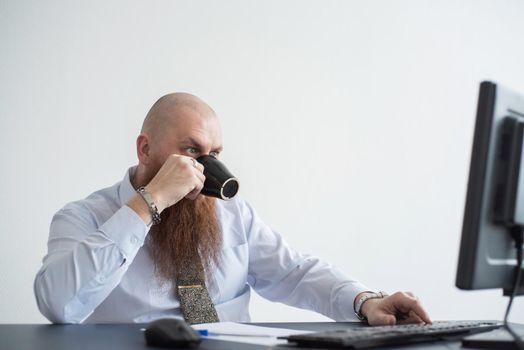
(109, 260)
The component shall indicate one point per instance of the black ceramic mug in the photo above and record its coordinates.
(220, 183)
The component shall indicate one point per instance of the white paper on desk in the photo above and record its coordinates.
(245, 333)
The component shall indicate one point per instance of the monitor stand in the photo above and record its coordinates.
(495, 339)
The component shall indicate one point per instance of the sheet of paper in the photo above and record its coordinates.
(245, 333)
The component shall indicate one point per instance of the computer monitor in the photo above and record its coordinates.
(495, 195)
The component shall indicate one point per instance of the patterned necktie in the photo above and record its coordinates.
(195, 302)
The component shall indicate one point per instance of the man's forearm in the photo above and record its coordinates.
(77, 276)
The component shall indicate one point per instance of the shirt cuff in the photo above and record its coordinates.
(344, 299)
(126, 229)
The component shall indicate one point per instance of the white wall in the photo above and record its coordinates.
(349, 123)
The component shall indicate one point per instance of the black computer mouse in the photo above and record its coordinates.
(171, 333)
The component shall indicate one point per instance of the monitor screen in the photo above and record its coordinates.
(487, 256)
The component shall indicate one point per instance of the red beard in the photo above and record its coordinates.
(188, 228)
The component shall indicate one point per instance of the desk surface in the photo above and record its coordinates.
(130, 337)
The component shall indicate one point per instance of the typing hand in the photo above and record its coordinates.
(398, 308)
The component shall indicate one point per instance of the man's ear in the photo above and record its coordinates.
(143, 149)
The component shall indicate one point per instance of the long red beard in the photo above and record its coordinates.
(188, 228)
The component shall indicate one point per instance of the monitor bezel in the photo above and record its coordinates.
(487, 254)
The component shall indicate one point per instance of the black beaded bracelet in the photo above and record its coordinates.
(150, 204)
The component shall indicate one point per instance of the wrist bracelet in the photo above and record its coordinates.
(150, 204)
(367, 296)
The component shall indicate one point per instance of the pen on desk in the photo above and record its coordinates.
(205, 333)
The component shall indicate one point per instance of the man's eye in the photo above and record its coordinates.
(214, 154)
(192, 150)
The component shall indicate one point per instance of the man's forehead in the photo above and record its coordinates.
(188, 115)
(198, 142)
(195, 130)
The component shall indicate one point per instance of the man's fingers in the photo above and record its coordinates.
(399, 308)
(193, 194)
(195, 164)
(200, 167)
(200, 176)
(199, 184)
(411, 318)
(409, 304)
(382, 319)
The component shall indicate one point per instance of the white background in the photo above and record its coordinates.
(349, 124)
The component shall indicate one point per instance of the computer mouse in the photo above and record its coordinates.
(171, 333)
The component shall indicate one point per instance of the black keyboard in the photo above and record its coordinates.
(369, 337)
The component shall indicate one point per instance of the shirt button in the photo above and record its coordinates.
(101, 279)
(133, 240)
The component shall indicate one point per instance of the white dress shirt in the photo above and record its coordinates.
(98, 270)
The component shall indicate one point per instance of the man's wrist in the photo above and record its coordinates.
(137, 204)
(148, 199)
(363, 300)
(157, 198)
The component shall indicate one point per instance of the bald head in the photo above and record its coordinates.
(166, 112)
(177, 124)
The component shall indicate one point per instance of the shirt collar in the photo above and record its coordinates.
(126, 190)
